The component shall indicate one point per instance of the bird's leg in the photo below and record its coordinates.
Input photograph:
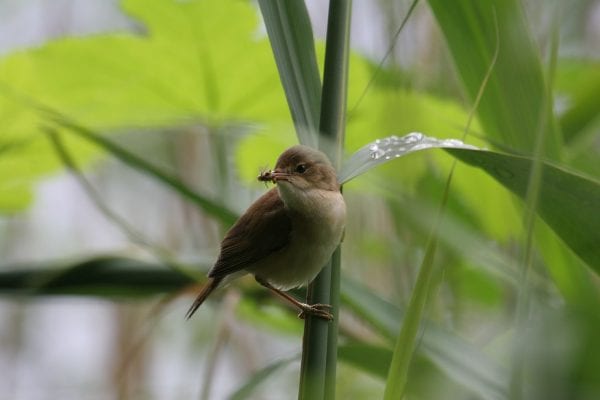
(318, 310)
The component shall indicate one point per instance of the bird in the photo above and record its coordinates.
(288, 234)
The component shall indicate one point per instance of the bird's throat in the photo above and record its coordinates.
(309, 201)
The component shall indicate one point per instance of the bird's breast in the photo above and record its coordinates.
(316, 233)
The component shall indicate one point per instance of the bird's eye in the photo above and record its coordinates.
(301, 168)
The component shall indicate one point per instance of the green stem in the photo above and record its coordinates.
(522, 313)
(290, 33)
(319, 356)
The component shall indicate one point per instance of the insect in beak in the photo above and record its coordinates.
(265, 176)
(273, 176)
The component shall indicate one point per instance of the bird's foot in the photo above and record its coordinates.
(317, 310)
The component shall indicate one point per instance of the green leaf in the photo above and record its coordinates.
(291, 37)
(181, 70)
(386, 149)
(578, 82)
(115, 276)
(320, 342)
(26, 155)
(210, 206)
(452, 355)
(367, 357)
(568, 202)
(406, 342)
(102, 276)
(512, 107)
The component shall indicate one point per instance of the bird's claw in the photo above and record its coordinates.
(317, 310)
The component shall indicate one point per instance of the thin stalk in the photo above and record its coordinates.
(219, 345)
(531, 202)
(210, 206)
(319, 355)
(387, 54)
(133, 234)
(406, 342)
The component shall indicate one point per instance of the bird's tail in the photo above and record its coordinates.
(206, 290)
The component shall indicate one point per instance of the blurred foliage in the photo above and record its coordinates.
(513, 104)
(567, 201)
(165, 75)
(206, 63)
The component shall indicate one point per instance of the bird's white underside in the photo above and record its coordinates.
(314, 237)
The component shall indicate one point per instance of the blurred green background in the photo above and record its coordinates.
(172, 108)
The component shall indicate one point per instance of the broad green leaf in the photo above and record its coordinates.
(183, 69)
(386, 149)
(568, 202)
(401, 111)
(26, 154)
(514, 103)
(569, 272)
(583, 152)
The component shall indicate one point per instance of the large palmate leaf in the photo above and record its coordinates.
(196, 61)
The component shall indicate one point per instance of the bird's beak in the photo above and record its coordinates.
(277, 176)
(274, 176)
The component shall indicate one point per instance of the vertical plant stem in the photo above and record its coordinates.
(332, 334)
(406, 342)
(319, 356)
(335, 80)
(290, 33)
(531, 202)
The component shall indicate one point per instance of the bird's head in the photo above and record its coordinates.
(300, 171)
(305, 168)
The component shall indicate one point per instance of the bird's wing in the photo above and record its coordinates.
(262, 230)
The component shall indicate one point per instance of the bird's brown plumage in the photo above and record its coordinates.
(262, 230)
(287, 234)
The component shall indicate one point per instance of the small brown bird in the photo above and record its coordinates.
(286, 236)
